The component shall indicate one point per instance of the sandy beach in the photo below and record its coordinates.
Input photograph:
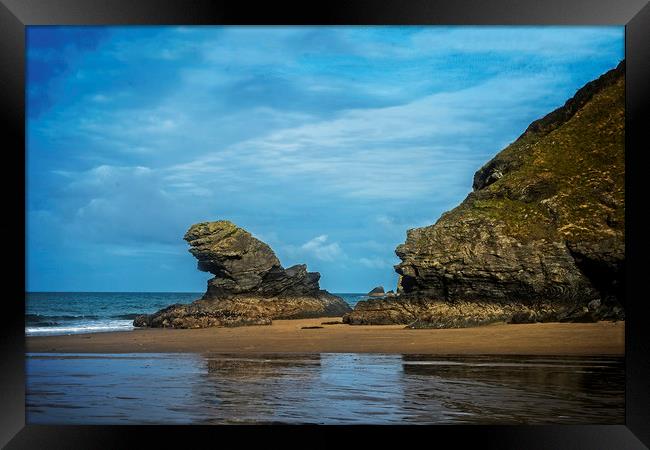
(601, 338)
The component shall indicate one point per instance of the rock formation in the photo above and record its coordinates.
(250, 286)
(540, 238)
(377, 292)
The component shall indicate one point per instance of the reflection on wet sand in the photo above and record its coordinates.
(249, 390)
(328, 388)
(515, 389)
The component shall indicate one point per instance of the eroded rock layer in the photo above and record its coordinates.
(250, 287)
(540, 238)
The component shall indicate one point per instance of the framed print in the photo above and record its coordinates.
(365, 218)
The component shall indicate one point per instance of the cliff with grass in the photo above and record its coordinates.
(540, 238)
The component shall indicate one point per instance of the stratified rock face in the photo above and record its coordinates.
(541, 237)
(243, 264)
(236, 259)
(249, 287)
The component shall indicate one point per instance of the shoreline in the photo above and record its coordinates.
(289, 336)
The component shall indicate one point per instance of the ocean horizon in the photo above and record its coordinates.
(58, 313)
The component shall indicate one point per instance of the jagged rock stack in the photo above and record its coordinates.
(540, 238)
(250, 286)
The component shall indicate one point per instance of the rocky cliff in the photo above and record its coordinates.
(540, 238)
(250, 286)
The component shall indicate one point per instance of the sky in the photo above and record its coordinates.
(327, 143)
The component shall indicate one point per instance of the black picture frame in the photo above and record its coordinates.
(15, 15)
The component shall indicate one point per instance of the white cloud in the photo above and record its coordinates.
(542, 42)
(383, 153)
(376, 263)
(319, 248)
(123, 204)
(100, 98)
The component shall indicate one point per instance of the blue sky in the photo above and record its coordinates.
(328, 143)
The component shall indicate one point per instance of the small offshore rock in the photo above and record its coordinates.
(376, 292)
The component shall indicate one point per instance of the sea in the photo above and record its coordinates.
(313, 388)
(56, 313)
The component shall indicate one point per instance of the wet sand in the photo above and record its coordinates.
(602, 338)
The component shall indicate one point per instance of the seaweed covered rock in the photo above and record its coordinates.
(250, 286)
(540, 238)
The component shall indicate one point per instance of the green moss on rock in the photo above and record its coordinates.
(544, 225)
